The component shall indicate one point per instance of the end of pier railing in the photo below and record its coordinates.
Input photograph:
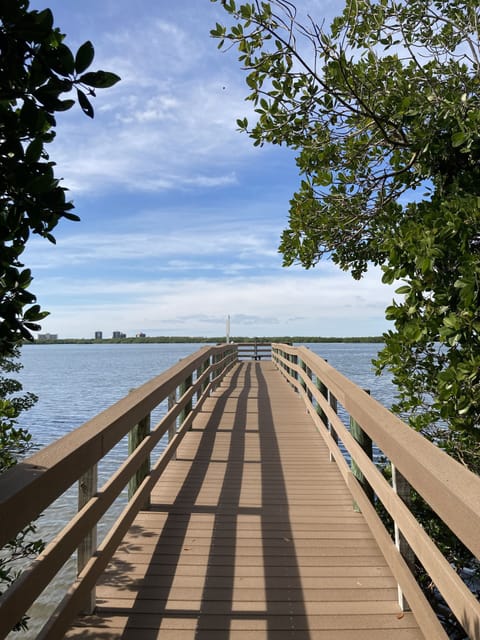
(256, 350)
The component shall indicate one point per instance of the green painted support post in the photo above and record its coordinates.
(402, 488)
(87, 488)
(303, 366)
(172, 429)
(135, 436)
(324, 391)
(205, 366)
(215, 359)
(185, 385)
(366, 443)
(333, 403)
(293, 373)
(309, 376)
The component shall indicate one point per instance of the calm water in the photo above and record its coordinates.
(75, 382)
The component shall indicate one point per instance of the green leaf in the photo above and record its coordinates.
(324, 178)
(99, 79)
(64, 105)
(403, 290)
(34, 150)
(85, 104)
(61, 60)
(459, 138)
(71, 216)
(84, 57)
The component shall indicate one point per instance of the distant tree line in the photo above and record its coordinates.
(214, 340)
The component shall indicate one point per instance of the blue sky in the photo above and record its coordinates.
(180, 215)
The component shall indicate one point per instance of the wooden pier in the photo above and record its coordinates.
(251, 534)
(245, 528)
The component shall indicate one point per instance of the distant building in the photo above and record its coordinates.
(141, 335)
(118, 334)
(47, 337)
(98, 335)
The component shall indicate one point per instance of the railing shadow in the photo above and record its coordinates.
(219, 602)
(280, 582)
(274, 493)
(173, 535)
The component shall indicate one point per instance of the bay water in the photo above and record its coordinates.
(74, 382)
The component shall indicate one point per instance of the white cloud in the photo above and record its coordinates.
(171, 121)
(227, 241)
(329, 302)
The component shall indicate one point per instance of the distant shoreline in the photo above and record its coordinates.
(215, 340)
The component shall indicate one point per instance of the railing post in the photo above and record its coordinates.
(172, 429)
(87, 488)
(293, 373)
(135, 436)
(309, 376)
(324, 391)
(214, 371)
(332, 401)
(303, 367)
(184, 386)
(366, 443)
(402, 488)
(204, 368)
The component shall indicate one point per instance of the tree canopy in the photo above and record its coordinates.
(383, 111)
(39, 76)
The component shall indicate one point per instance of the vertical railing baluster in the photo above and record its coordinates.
(184, 386)
(324, 391)
(205, 367)
(172, 429)
(294, 373)
(402, 488)
(87, 488)
(309, 393)
(332, 401)
(303, 367)
(215, 360)
(135, 436)
(365, 442)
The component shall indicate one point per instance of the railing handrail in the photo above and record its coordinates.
(52, 470)
(33, 484)
(257, 350)
(455, 495)
(450, 489)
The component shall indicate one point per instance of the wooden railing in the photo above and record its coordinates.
(451, 490)
(254, 350)
(31, 486)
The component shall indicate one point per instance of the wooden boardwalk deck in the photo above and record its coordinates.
(251, 536)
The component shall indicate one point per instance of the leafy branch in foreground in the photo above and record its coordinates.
(383, 111)
(15, 443)
(38, 74)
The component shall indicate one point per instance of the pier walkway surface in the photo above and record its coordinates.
(251, 535)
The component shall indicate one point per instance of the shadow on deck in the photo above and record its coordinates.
(251, 535)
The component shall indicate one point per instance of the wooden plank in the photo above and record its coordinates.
(251, 535)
